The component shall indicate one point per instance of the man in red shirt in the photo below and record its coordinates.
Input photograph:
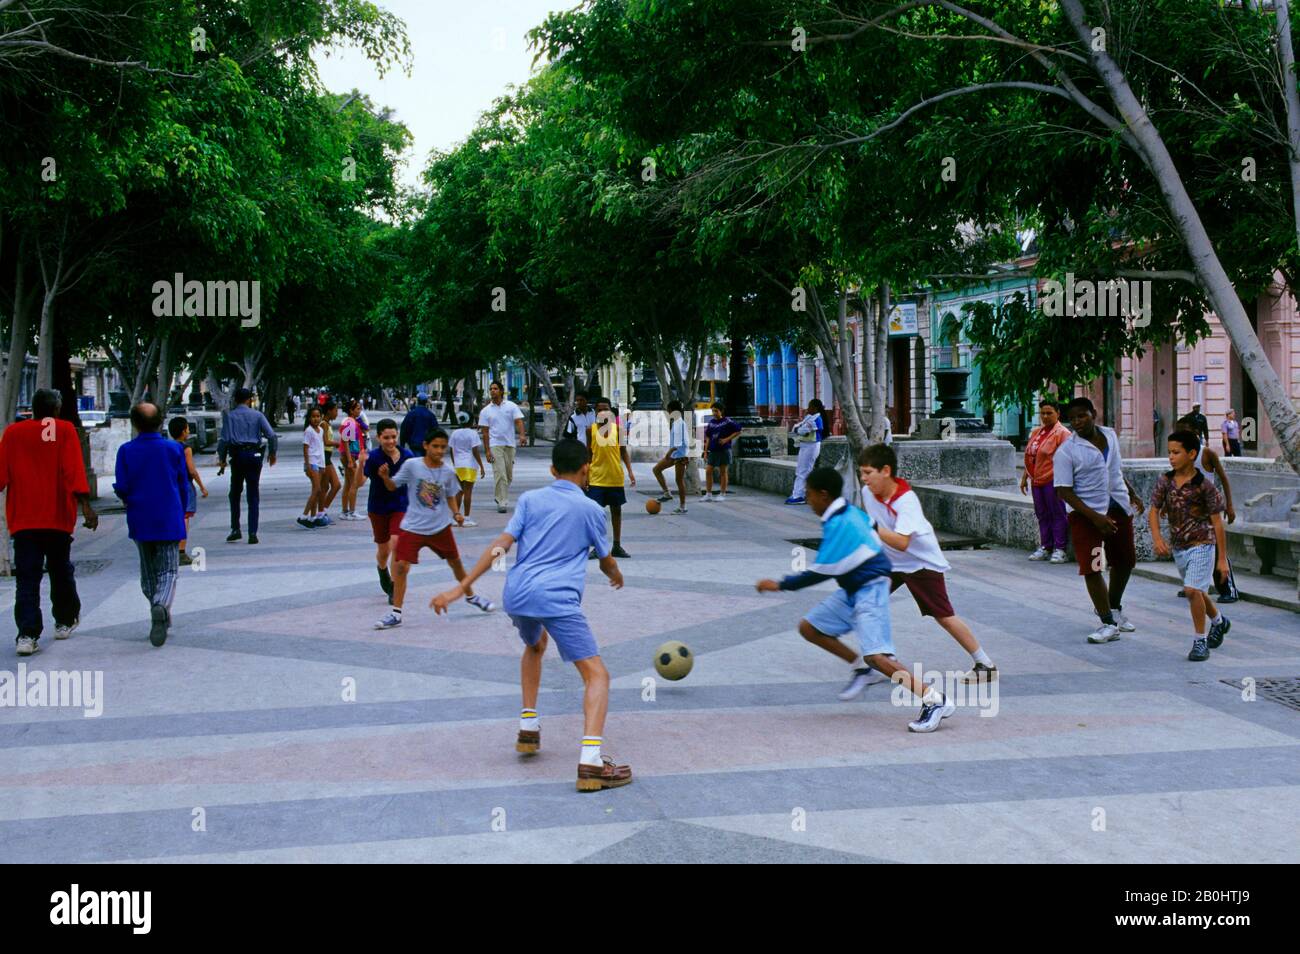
(41, 467)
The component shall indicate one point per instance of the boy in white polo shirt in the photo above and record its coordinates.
(913, 548)
(555, 526)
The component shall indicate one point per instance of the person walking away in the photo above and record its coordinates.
(42, 469)
(808, 435)
(179, 429)
(151, 479)
(467, 461)
(676, 457)
(719, 434)
(241, 442)
(419, 421)
(1053, 529)
(501, 425)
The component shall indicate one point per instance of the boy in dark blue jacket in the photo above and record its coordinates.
(851, 554)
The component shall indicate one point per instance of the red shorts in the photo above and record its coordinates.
(385, 526)
(928, 589)
(1089, 544)
(442, 543)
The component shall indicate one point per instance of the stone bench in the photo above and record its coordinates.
(1264, 548)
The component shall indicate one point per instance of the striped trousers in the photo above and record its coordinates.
(159, 567)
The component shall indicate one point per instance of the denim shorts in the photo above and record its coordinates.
(1196, 565)
(864, 613)
(572, 634)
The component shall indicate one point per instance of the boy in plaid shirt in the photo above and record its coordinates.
(1194, 508)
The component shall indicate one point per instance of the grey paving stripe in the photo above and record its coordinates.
(676, 843)
(345, 820)
(567, 699)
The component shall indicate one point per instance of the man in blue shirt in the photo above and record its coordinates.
(555, 526)
(419, 421)
(153, 482)
(242, 431)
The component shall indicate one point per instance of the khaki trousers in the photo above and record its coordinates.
(503, 472)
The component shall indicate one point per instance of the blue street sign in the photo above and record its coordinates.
(1200, 377)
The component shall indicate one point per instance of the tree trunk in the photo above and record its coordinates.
(20, 330)
(1218, 287)
(45, 346)
(162, 386)
(834, 348)
(1291, 97)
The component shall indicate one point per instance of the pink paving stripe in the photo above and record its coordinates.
(656, 743)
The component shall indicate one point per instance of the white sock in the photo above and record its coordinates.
(590, 750)
(528, 720)
(980, 656)
(931, 696)
(397, 610)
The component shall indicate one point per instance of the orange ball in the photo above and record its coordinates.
(652, 506)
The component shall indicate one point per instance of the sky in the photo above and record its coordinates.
(465, 54)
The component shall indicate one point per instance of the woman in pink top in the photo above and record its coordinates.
(1050, 511)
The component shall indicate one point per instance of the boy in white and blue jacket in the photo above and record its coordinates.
(851, 554)
(809, 433)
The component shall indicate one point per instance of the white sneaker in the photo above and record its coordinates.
(1104, 633)
(722, 498)
(26, 645)
(708, 498)
(1058, 556)
(389, 621)
(1039, 554)
(1122, 622)
(469, 523)
(63, 632)
(859, 681)
(480, 603)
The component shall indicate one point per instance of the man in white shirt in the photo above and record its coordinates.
(501, 425)
(1099, 502)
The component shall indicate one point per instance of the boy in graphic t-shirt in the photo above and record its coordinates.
(431, 507)
(913, 549)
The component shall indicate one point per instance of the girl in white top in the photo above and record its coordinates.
(313, 464)
(675, 458)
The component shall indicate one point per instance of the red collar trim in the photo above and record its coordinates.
(902, 488)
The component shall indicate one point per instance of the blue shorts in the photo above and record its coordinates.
(612, 497)
(865, 614)
(720, 458)
(573, 636)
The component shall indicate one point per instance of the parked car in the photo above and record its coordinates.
(93, 418)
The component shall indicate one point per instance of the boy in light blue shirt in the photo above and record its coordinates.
(555, 526)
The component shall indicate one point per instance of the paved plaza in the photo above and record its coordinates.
(278, 725)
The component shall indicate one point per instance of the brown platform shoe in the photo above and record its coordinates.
(593, 778)
(529, 741)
